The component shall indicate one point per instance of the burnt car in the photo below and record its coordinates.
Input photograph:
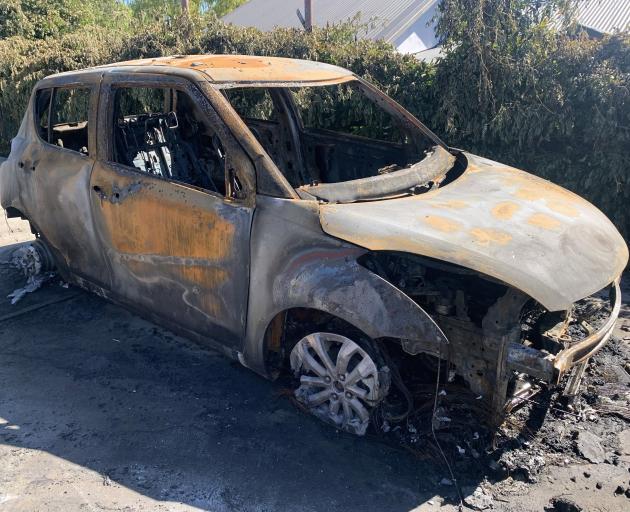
(291, 215)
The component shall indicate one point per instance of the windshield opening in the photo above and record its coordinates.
(330, 134)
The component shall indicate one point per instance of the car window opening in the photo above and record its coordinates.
(336, 134)
(163, 132)
(70, 112)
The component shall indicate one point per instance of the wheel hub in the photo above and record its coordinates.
(339, 381)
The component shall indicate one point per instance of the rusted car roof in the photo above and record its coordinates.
(247, 68)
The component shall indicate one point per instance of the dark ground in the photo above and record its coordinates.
(101, 410)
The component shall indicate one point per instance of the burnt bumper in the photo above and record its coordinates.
(584, 349)
(551, 368)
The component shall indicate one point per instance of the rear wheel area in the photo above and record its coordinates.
(340, 380)
(34, 258)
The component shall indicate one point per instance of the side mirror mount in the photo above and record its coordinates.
(236, 188)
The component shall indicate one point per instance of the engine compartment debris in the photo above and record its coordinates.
(538, 438)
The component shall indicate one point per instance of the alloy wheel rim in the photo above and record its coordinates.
(339, 381)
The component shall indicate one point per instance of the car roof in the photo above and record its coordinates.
(237, 69)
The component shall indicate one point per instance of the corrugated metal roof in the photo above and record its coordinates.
(604, 16)
(386, 19)
(389, 19)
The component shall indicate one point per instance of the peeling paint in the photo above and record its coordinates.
(563, 208)
(505, 210)
(487, 236)
(544, 221)
(442, 223)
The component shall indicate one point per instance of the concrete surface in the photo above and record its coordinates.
(101, 410)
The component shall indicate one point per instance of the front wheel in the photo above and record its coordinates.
(340, 382)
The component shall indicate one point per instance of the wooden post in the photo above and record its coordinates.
(185, 6)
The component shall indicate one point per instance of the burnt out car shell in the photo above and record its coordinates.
(227, 270)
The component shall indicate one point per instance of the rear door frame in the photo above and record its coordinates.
(56, 183)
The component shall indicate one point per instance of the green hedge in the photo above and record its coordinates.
(563, 114)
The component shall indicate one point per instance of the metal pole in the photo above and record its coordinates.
(308, 15)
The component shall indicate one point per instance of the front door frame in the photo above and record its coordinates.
(176, 251)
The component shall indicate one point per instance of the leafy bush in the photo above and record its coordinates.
(23, 62)
(42, 19)
(555, 105)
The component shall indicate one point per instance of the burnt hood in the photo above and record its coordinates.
(500, 221)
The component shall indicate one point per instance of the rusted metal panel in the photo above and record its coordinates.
(244, 69)
(500, 221)
(174, 250)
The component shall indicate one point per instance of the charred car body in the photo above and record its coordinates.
(287, 212)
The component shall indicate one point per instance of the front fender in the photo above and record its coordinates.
(337, 284)
(296, 265)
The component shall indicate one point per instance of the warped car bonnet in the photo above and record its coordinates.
(503, 222)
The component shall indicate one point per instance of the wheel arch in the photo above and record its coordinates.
(343, 290)
(13, 213)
